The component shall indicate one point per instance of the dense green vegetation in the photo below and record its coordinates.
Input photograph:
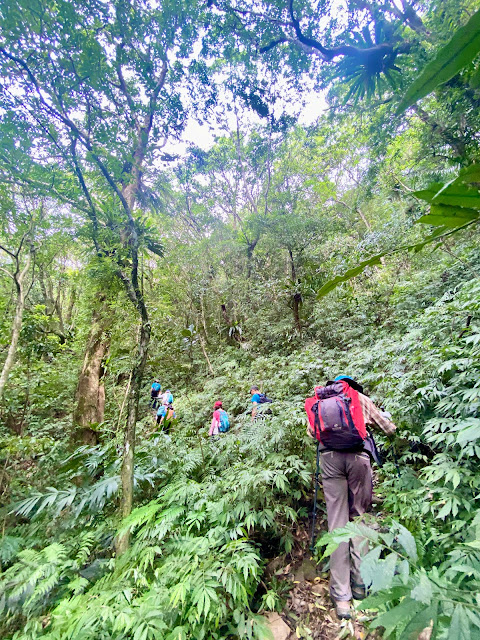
(123, 258)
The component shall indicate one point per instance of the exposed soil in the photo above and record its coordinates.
(309, 611)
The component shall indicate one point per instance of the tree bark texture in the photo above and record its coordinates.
(19, 279)
(296, 296)
(90, 393)
(126, 473)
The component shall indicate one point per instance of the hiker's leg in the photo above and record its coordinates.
(359, 472)
(335, 490)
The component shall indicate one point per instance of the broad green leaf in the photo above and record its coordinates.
(423, 591)
(447, 216)
(351, 273)
(475, 544)
(445, 510)
(468, 175)
(459, 626)
(407, 541)
(423, 620)
(398, 617)
(455, 195)
(378, 599)
(462, 48)
(378, 573)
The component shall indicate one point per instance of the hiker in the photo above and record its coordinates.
(167, 397)
(337, 417)
(257, 398)
(165, 415)
(154, 391)
(220, 422)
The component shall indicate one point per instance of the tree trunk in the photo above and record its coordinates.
(19, 280)
(90, 393)
(296, 296)
(205, 354)
(126, 473)
(297, 300)
(71, 304)
(134, 291)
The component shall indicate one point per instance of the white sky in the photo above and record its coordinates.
(280, 96)
(203, 135)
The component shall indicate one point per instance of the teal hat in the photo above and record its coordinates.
(350, 381)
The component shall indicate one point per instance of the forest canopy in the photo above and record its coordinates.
(219, 194)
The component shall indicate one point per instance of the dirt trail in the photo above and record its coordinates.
(308, 612)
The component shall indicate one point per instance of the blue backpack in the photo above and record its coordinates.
(224, 425)
(156, 386)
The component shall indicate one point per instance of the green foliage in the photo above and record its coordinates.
(232, 250)
(194, 564)
(406, 596)
(459, 52)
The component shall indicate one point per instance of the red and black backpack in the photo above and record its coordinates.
(338, 424)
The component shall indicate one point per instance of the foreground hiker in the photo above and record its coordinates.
(337, 415)
(165, 415)
(220, 422)
(257, 399)
(154, 391)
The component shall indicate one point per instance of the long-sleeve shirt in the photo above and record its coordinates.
(371, 414)
(215, 424)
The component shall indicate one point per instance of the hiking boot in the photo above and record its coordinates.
(342, 609)
(359, 592)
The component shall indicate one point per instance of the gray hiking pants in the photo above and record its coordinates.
(347, 487)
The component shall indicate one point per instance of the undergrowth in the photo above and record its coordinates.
(210, 513)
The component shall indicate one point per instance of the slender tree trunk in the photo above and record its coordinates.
(297, 300)
(19, 280)
(134, 291)
(296, 297)
(71, 304)
(126, 473)
(205, 354)
(90, 393)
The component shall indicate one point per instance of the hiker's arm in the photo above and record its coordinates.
(373, 416)
(254, 409)
(212, 426)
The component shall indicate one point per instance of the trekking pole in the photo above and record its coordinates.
(314, 514)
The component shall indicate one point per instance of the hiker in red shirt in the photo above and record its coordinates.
(337, 417)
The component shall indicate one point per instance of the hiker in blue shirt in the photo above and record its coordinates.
(155, 390)
(258, 398)
(165, 415)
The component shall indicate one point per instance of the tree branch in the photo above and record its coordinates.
(93, 212)
(7, 272)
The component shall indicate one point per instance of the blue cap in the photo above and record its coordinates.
(350, 381)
